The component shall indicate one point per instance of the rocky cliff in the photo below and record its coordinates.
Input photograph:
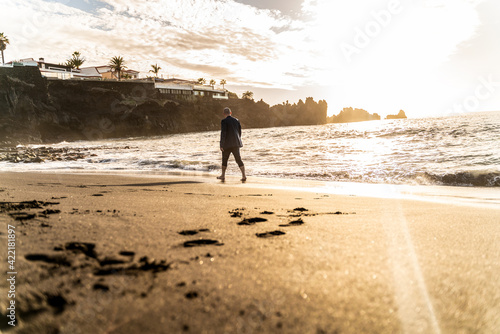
(36, 110)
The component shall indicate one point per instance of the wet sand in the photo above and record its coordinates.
(178, 254)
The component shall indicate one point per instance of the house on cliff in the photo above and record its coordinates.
(63, 72)
(188, 89)
(48, 70)
(90, 73)
(105, 72)
(173, 87)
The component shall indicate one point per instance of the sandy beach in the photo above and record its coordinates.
(179, 254)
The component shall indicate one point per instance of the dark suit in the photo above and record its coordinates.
(230, 134)
(230, 139)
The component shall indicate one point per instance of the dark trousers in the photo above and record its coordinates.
(236, 153)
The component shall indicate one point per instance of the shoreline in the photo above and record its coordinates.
(487, 197)
(126, 254)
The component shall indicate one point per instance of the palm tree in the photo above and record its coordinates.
(156, 69)
(202, 81)
(117, 64)
(212, 83)
(3, 44)
(76, 60)
(247, 95)
(223, 82)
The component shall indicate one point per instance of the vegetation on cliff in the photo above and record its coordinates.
(76, 60)
(155, 69)
(117, 65)
(3, 44)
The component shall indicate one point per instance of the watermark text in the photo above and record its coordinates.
(11, 274)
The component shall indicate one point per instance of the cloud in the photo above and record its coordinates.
(203, 33)
(248, 46)
(397, 56)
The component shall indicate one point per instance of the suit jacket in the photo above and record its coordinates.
(230, 134)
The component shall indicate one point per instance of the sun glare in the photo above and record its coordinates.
(384, 59)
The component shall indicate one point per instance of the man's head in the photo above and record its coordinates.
(227, 111)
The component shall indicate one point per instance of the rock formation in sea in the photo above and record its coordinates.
(401, 115)
(348, 115)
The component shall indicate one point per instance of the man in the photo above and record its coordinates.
(230, 142)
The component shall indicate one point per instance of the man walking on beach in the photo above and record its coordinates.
(230, 142)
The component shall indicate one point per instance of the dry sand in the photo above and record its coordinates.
(135, 254)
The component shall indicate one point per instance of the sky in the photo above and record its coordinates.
(426, 57)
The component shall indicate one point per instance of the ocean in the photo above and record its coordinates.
(461, 150)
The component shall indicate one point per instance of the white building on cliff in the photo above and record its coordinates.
(186, 88)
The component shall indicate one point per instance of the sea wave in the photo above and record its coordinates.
(476, 179)
(462, 179)
(453, 151)
(190, 165)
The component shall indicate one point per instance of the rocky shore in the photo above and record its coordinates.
(41, 154)
(25, 154)
(36, 110)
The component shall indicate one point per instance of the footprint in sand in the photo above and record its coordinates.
(49, 212)
(252, 221)
(102, 265)
(297, 222)
(193, 232)
(57, 301)
(202, 242)
(236, 213)
(100, 286)
(16, 206)
(269, 234)
(86, 248)
(300, 209)
(127, 253)
(144, 265)
(49, 258)
(22, 215)
(191, 295)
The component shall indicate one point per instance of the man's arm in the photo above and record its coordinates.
(223, 133)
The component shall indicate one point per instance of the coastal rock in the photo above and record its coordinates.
(348, 115)
(401, 115)
(34, 109)
(40, 154)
